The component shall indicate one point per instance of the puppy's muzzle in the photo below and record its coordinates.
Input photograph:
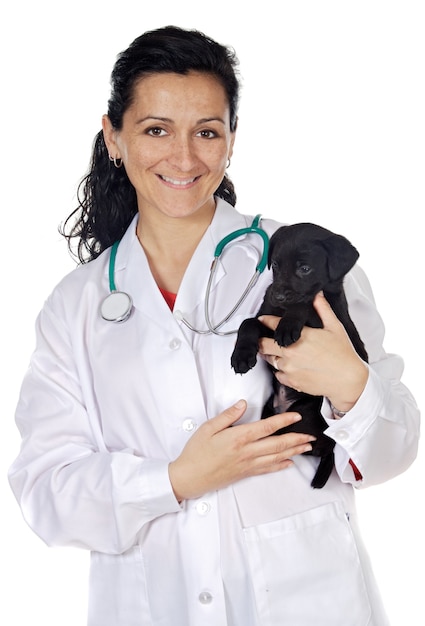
(279, 298)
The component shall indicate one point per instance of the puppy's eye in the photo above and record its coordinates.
(304, 269)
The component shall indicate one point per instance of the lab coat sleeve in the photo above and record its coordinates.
(71, 489)
(380, 433)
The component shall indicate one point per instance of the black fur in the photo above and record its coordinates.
(305, 259)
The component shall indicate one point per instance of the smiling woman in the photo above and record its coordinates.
(174, 143)
(175, 136)
(170, 84)
(139, 443)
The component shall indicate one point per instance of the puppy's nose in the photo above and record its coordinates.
(278, 297)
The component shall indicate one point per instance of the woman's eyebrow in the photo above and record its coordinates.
(153, 118)
(203, 120)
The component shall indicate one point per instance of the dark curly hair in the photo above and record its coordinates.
(106, 198)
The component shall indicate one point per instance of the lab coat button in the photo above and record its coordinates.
(203, 508)
(342, 435)
(205, 597)
(189, 425)
(175, 344)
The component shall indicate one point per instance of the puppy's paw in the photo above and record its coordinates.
(287, 332)
(243, 359)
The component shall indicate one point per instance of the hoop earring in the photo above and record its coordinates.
(117, 161)
(228, 164)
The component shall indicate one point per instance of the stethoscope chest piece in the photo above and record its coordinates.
(116, 307)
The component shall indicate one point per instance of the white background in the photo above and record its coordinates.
(331, 130)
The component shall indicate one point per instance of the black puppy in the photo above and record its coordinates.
(305, 259)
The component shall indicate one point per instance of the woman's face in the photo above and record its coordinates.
(175, 142)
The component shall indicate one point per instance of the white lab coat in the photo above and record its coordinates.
(106, 406)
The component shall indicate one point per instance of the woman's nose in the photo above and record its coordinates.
(183, 154)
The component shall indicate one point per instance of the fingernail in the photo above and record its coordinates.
(240, 404)
(297, 418)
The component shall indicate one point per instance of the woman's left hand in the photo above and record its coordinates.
(322, 362)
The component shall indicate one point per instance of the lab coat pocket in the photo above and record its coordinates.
(306, 570)
(118, 590)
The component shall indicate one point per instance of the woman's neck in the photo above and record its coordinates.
(169, 244)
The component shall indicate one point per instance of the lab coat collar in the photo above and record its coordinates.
(192, 289)
(133, 275)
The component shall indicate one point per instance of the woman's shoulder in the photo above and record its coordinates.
(270, 225)
(259, 219)
(82, 284)
(85, 272)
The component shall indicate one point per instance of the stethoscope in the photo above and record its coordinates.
(117, 305)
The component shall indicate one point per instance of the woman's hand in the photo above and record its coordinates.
(217, 455)
(322, 362)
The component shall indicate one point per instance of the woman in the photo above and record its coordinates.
(127, 447)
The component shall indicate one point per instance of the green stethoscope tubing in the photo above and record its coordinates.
(254, 228)
(114, 249)
(211, 328)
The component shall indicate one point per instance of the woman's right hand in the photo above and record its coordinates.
(216, 455)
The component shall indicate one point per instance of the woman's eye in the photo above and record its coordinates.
(207, 134)
(156, 131)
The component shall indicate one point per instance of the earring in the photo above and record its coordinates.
(117, 161)
(228, 163)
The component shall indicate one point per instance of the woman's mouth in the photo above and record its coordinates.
(176, 182)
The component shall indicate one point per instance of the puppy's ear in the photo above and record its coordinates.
(342, 255)
(278, 233)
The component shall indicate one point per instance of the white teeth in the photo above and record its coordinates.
(178, 182)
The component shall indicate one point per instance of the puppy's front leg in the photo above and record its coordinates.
(244, 356)
(293, 319)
